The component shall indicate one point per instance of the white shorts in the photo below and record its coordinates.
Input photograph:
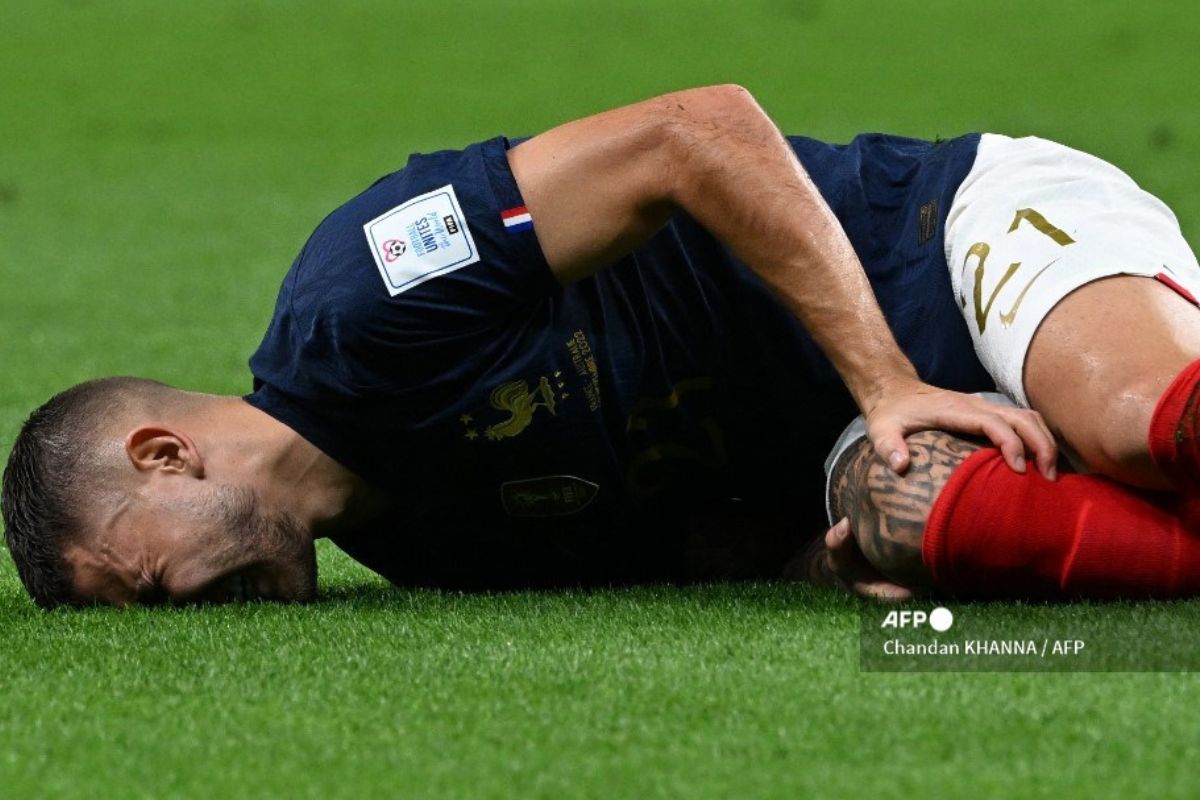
(1035, 220)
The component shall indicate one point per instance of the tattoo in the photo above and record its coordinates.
(888, 511)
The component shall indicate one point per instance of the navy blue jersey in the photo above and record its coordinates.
(421, 340)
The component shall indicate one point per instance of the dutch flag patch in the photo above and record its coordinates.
(517, 219)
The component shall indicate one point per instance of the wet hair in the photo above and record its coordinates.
(51, 477)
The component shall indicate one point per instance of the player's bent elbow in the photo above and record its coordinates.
(732, 95)
(696, 130)
(698, 113)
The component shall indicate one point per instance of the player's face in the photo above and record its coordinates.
(219, 547)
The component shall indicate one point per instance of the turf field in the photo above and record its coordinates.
(160, 165)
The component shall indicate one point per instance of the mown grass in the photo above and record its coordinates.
(749, 690)
(160, 164)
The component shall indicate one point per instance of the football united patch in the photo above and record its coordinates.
(421, 239)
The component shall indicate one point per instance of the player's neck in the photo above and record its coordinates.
(288, 472)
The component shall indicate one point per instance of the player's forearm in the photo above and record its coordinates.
(735, 174)
(600, 186)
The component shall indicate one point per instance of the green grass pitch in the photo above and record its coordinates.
(161, 164)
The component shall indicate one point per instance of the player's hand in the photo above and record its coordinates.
(912, 406)
(850, 568)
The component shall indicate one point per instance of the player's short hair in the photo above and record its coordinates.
(50, 478)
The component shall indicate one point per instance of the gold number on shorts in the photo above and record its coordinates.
(980, 250)
(1042, 225)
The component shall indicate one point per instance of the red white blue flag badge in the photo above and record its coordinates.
(517, 219)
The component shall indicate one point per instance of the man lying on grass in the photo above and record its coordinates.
(590, 335)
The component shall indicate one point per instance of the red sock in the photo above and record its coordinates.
(1173, 428)
(996, 533)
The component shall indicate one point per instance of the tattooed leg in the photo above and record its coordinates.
(887, 511)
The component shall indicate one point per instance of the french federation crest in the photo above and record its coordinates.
(548, 496)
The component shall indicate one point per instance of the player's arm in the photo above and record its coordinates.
(600, 186)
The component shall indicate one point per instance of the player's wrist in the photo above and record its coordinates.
(900, 379)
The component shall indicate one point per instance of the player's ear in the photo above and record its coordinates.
(164, 448)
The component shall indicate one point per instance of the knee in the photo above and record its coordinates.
(1116, 440)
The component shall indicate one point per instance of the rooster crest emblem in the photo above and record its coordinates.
(520, 403)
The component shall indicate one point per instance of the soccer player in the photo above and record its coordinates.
(545, 345)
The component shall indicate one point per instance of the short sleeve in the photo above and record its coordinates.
(447, 237)
(406, 284)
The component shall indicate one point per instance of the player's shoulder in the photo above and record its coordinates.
(401, 229)
(427, 180)
(426, 251)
